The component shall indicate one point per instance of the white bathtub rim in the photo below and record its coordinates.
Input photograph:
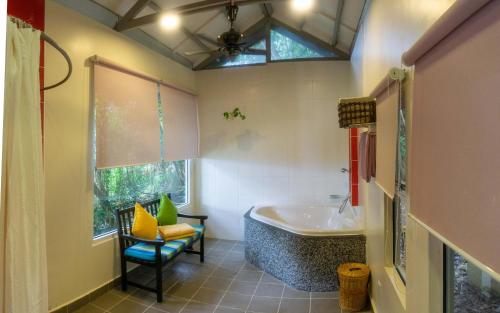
(303, 231)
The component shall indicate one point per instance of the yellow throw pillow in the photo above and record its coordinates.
(145, 225)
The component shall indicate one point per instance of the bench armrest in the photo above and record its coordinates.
(202, 218)
(156, 242)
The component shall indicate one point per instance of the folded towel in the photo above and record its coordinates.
(172, 232)
(178, 237)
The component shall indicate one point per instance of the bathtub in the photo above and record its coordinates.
(304, 245)
(312, 220)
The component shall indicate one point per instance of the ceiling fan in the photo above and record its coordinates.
(229, 43)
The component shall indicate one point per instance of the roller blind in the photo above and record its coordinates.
(180, 123)
(455, 153)
(126, 116)
(387, 130)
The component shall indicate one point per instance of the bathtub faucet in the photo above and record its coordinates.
(345, 201)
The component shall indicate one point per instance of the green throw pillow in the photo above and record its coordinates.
(167, 213)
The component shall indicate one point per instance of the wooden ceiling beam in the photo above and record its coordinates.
(192, 8)
(338, 21)
(267, 9)
(131, 13)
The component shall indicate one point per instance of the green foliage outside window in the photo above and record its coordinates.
(121, 187)
(284, 48)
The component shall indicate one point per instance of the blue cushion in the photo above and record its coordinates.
(170, 249)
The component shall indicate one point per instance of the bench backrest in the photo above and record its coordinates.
(125, 217)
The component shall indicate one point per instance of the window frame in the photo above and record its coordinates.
(188, 187)
(449, 252)
(395, 241)
(400, 188)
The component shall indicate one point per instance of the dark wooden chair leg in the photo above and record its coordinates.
(202, 248)
(124, 273)
(159, 282)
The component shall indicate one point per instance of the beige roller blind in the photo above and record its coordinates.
(126, 119)
(455, 153)
(387, 130)
(180, 124)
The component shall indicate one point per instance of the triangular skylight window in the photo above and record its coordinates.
(286, 46)
(246, 59)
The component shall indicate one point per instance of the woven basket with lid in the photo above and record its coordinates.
(353, 279)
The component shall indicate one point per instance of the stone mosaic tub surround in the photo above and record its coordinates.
(303, 262)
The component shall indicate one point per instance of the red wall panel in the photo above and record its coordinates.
(353, 165)
(33, 12)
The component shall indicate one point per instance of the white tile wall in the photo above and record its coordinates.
(289, 150)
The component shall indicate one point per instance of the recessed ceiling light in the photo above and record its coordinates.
(170, 21)
(302, 5)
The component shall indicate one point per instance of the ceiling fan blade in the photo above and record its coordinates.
(208, 39)
(255, 51)
(191, 53)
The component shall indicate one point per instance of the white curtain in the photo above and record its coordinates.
(24, 262)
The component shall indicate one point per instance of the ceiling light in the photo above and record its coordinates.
(170, 21)
(302, 5)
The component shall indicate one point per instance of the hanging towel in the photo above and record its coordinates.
(372, 143)
(177, 231)
(362, 155)
(367, 152)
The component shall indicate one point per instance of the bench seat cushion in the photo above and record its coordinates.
(170, 249)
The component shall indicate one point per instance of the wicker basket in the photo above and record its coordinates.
(357, 112)
(353, 279)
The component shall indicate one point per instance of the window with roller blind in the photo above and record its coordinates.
(145, 133)
(400, 205)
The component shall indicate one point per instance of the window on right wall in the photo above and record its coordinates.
(400, 205)
(467, 287)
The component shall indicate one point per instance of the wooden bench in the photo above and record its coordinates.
(153, 253)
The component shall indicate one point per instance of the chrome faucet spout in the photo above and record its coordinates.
(344, 203)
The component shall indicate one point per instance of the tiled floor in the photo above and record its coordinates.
(225, 283)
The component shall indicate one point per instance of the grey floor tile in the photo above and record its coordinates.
(264, 305)
(127, 306)
(325, 306)
(267, 278)
(212, 260)
(325, 295)
(269, 290)
(196, 279)
(171, 304)
(227, 310)
(295, 294)
(224, 273)
(294, 306)
(233, 256)
(243, 287)
(210, 242)
(143, 296)
(88, 308)
(183, 290)
(235, 300)
(217, 253)
(217, 283)
(196, 307)
(231, 265)
(107, 300)
(250, 267)
(209, 296)
(153, 310)
(248, 276)
(206, 269)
